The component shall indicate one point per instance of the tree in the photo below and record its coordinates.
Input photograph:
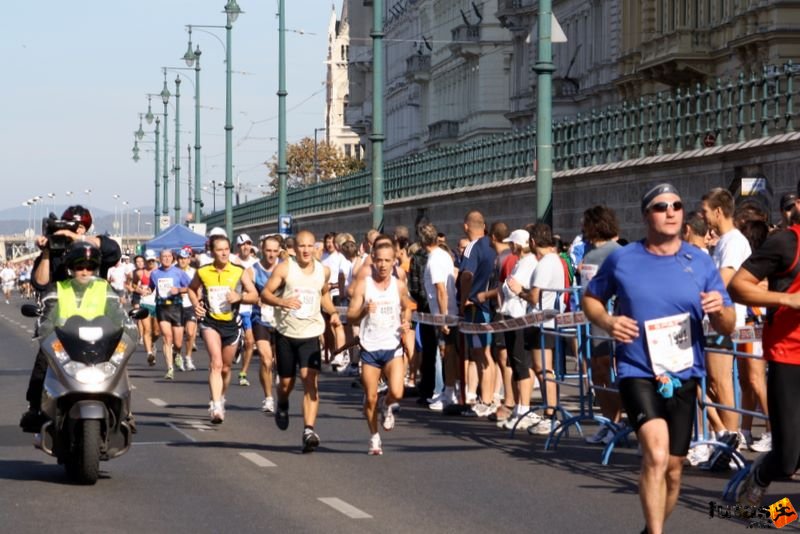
(300, 163)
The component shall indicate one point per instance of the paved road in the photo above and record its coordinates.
(437, 474)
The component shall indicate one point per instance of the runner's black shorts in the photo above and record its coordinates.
(263, 332)
(292, 353)
(533, 340)
(188, 315)
(170, 313)
(643, 403)
(230, 332)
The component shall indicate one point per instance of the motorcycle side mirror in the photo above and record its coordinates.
(137, 314)
(30, 310)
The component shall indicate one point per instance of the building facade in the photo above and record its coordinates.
(337, 133)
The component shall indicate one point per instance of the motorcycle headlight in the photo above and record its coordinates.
(90, 374)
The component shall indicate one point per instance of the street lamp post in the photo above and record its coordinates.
(232, 11)
(316, 158)
(165, 176)
(282, 93)
(177, 150)
(156, 214)
(544, 115)
(52, 196)
(138, 213)
(377, 115)
(192, 58)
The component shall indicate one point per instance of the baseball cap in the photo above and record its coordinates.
(243, 238)
(150, 254)
(217, 231)
(185, 253)
(787, 201)
(519, 236)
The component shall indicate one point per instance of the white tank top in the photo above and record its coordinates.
(381, 330)
(305, 322)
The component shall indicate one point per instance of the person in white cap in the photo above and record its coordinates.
(205, 258)
(246, 257)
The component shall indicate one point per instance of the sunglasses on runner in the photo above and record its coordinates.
(662, 207)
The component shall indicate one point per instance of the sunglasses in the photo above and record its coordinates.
(83, 267)
(662, 207)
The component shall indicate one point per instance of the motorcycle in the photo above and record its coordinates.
(86, 393)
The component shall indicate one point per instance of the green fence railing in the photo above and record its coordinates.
(687, 118)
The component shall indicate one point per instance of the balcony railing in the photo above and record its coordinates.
(748, 107)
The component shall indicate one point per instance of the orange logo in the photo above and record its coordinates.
(782, 512)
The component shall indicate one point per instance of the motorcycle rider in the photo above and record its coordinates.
(50, 268)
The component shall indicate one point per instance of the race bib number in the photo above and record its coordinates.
(165, 287)
(669, 340)
(218, 299)
(309, 302)
(384, 316)
(267, 314)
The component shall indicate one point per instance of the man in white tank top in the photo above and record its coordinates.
(380, 302)
(298, 289)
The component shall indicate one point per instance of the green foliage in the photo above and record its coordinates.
(331, 163)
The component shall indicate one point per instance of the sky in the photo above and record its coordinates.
(75, 78)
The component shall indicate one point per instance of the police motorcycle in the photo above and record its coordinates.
(87, 392)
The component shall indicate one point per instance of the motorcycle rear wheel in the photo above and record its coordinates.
(83, 464)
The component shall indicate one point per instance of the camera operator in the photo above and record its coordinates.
(49, 268)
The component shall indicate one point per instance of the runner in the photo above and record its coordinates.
(380, 302)
(8, 277)
(169, 283)
(188, 318)
(224, 287)
(663, 287)
(776, 261)
(304, 288)
(246, 258)
(263, 317)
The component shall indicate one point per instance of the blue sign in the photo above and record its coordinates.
(285, 225)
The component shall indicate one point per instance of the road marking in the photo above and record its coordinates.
(347, 509)
(158, 402)
(181, 432)
(199, 425)
(257, 459)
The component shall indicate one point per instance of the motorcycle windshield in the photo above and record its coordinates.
(89, 341)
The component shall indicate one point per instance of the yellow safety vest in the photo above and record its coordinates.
(92, 305)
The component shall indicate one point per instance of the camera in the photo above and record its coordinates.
(50, 225)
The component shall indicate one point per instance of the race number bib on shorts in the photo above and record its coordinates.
(669, 340)
(267, 314)
(164, 287)
(218, 299)
(309, 302)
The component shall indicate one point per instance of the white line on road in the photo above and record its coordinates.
(158, 402)
(257, 459)
(181, 432)
(199, 425)
(347, 509)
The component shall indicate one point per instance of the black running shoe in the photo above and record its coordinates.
(310, 440)
(282, 418)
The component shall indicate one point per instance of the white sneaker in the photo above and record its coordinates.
(388, 415)
(484, 410)
(189, 364)
(340, 360)
(268, 406)
(216, 412)
(699, 454)
(471, 398)
(745, 440)
(179, 363)
(436, 398)
(442, 401)
(764, 444)
(522, 423)
(375, 448)
(544, 427)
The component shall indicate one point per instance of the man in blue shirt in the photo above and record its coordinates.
(475, 276)
(663, 286)
(169, 283)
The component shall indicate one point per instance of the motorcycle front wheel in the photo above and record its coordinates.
(83, 464)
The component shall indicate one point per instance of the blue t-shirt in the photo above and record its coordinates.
(261, 277)
(161, 280)
(479, 258)
(648, 287)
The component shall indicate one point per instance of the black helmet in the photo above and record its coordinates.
(78, 214)
(82, 253)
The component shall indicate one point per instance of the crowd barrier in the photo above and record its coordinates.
(574, 327)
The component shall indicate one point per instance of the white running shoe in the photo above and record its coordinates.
(179, 363)
(522, 422)
(388, 414)
(375, 448)
(699, 454)
(216, 411)
(189, 364)
(764, 443)
(544, 427)
(268, 406)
